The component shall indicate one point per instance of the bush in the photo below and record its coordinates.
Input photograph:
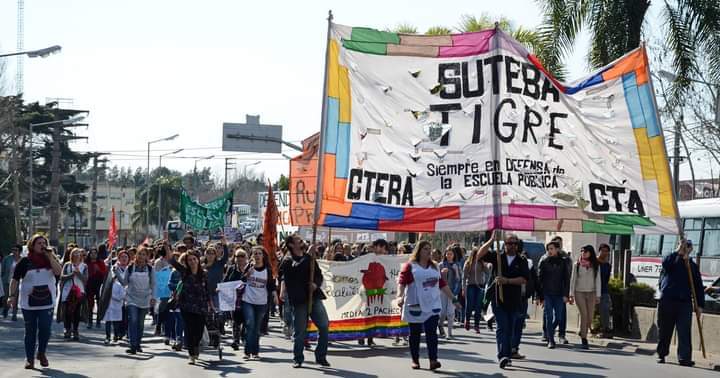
(640, 294)
(615, 286)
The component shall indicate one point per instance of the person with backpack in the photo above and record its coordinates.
(586, 289)
(139, 283)
(553, 289)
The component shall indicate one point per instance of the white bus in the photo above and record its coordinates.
(701, 221)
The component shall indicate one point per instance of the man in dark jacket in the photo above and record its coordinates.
(553, 289)
(676, 305)
(514, 274)
(296, 282)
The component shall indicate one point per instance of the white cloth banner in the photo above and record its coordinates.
(227, 293)
(361, 297)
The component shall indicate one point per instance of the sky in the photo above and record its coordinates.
(150, 69)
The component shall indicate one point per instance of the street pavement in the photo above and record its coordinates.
(469, 355)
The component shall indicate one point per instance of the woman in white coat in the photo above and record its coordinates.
(72, 293)
(114, 316)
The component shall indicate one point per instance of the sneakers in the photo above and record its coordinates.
(167, 341)
(434, 365)
(661, 360)
(551, 345)
(131, 351)
(107, 341)
(235, 346)
(518, 356)
(43, 360)
(323, 363)
(467, 324)
(415, 365)
(296, 365)
(585, 344)
(563, 340)
(544, 339)
(361, 342)
(29, 365)
(247, 357)
(686, 363)
(504, 363)
(191, 360)
(66, 335)
(255, 357)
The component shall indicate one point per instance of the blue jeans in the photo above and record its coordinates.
(37, 331)
(562, 322)
(504, 330)
(605, 312)
(136, 325)
(320, 318)
(169, 325)
(552, 313)
(253, 315)
(431, 338)
(519, 324)
(179, 326)
(473, 302)
(675, 315)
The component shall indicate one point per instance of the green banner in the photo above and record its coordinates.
(206, 216)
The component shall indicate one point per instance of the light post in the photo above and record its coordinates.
(228, 164)
(147, 191)
(41, 53)
(676, 143)
(249, 165)
(195, 173)
(71, 120)
(160, 227)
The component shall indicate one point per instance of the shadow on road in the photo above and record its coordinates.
(47, 372)
(555, 373)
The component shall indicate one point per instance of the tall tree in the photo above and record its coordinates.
(616, 27)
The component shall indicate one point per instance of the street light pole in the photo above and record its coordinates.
(160, 227)
(66, 122)
(42, 53)
(195, 178)
(249, 165)
(227, 166)
(147, 184)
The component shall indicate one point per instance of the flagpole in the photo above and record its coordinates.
(497, 201)
(321, 160)
(321, 143)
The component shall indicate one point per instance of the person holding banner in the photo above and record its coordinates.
(260, 285)
(237, 273)
(419, 296)
(297, 283)
(512, 273)
(675, 307)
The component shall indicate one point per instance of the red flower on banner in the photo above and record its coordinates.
(374, 282)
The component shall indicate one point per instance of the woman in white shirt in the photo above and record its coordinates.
(258, 283)
(419, 290)
(114, 316)
(72, 293)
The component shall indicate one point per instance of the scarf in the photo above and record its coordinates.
(585, 263)
(39, 260)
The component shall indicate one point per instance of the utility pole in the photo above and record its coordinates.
(228, 164)
(93, 196)
(55, 179)
(15, 171)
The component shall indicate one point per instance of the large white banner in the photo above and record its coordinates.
(361, 297)
(468, 132)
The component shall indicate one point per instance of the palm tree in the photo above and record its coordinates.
(529, 38)
(171, 188)
(616, 27)
(438, 30)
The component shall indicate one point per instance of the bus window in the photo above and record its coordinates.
(668, 245)
(651, 245)
(635, 243)
(693, 227)
(711, 239)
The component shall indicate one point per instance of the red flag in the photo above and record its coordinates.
(113, 233)
(270, 230)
